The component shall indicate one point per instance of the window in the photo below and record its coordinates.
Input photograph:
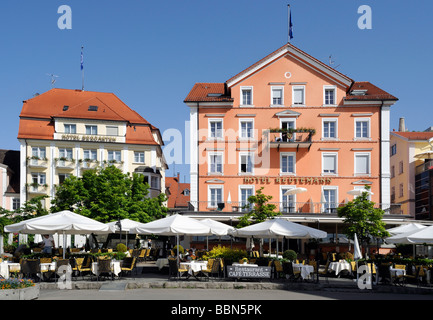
(392, 171)
(38, 179)
(39, 152)
(246, 163)
(65, 154)
(329, 128)
(215, 128)
(298, 95)
(287, 201)
(139, 157)
(91, 129)
(287, 124)
(329, 95)
(393, 149)
(287, 163)
(246, 128)
(400, 166)
(362, 128)
(329, 163)
(114, 156)
(16, 203)
(401, 190)
(215, 196)
(277, 96)
(112, 131)
(70, 128)
(362, 164)
(215, 163)
(245, 193)
(392, 194)
(330, 197)
(90, 154)
(246, 96)
(92, 108)
(154, 182)
(63, 177)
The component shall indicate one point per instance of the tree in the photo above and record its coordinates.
(260, 209)
(107, 194)
(362, 218)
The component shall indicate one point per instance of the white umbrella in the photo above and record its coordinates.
(357, 254)
(174, 225)
(125, 225)
(401, 237)
(425, 155)
(295, 191)
(217, 228)
(423, 236)
(406, 228)
(358, 192)
(65, 222)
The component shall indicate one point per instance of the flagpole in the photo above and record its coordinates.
(82, 69)
(288, 24)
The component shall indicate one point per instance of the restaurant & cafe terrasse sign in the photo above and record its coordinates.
(239, 271)
(288, 180)
(76, 137)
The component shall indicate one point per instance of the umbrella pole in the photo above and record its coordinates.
(64, 244)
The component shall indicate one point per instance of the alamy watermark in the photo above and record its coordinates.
(365, 21)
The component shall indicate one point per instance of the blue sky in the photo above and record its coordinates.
(150, 53)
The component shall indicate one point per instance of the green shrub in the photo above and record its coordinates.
(226, 253)
(290, 255)
(121, 247)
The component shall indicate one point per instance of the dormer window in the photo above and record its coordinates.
(65, 108)
(93, 108)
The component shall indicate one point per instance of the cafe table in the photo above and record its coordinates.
(115, 267)
(305, 269)
(339, 266)
(194, 266)
(7, 267)
(161, 262)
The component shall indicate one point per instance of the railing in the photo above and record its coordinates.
(424, 167)
(285, 139)
(283, 207)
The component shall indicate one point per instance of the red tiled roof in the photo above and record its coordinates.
(372, 92)
(37, 114)
(176, 198)
(415, 135)
(208, 92)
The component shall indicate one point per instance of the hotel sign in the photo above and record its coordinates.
(76, 137)
(289, 180)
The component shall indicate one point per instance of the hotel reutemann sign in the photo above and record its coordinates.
(288, 180)
(89, 138)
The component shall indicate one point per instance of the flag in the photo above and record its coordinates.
(290, 26)
(82, 59)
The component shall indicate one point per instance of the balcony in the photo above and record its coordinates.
(285, 208)
(280, 138)
(36, 162)
(65, 163)
(428, 165)
(89, 164)
(34, 188)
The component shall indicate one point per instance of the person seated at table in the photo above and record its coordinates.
(190, 256)
(48, 244)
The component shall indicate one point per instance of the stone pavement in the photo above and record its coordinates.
(148, 277)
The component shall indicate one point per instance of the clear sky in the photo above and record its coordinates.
(150, 53)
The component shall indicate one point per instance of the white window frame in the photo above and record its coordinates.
(329, 154)
(293, 120)
(67, 175)
(63, 153)
(68, 127)
(209, 196)
(303, 98)
(140, 156)
(215, 120)
(272, 96)
(114, 154)
(210, 156)
(362, 154)
(328, 87)
(336, 197)
(242, 154)
(242, 187)
(288, 154)
(284, 189)
(335, 120)
(241, 137)
(112, 127)
(15, 203)
(241, 98)
(91, 127)
(90, 152)
(368, 120)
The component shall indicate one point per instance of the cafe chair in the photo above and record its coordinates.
(289, 273)
(385, 275)
(174, 272)
(104, 269)
(85, 267)
(31, 268)
(128, 265)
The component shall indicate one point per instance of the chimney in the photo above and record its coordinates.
(401, 126)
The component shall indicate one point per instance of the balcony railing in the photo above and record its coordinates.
(35, 162)
(289, 140)
(424, 167)
(283, 207)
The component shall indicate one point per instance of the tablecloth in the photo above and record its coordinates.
(115, 268)
(340, 266)
(6, 267)
(305, 269)
(162, 262)
(193, 266)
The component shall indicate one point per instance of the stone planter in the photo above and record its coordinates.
(30, 293)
